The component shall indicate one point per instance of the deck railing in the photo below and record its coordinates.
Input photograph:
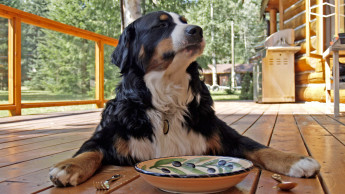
(16, 18)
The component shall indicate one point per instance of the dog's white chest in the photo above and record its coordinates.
(178, 140)
(170, 100)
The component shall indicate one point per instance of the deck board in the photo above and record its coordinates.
(30, 145)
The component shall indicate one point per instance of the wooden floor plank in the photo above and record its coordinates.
(127, 173)
(42, 124)
(46, 137)
(52, 141)
(279, 125)
(262, 129)
(42, 132)
(286, 137)
(229, 119)
(327, 150)
(27, 167)
(248, 120)
(39, 153)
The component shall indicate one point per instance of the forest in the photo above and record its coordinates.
(63, 64)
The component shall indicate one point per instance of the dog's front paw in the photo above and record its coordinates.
(74, 171)
(66, 173)
(305, 167)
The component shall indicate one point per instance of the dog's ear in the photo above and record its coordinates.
(120, 56)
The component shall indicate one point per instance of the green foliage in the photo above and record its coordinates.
(177, 6)
(247, 28)
(247, 87)
(61, 63)
(230, 90)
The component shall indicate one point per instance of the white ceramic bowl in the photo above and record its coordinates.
(194, 174)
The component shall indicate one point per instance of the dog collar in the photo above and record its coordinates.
(166, 126)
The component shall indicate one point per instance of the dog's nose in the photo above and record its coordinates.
(194, 31)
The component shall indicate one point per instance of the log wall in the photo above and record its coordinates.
(309, 69)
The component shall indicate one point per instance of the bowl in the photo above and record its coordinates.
(194, 174)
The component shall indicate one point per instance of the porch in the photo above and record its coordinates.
(30, 145)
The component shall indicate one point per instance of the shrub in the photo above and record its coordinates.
(247, 88)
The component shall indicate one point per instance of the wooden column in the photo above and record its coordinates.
(307, 27)
(273, 21)
(14, 65)
(336, 18)
(320, 29)
(99, 74)
(281, 15)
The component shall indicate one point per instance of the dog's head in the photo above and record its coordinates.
(159, 41)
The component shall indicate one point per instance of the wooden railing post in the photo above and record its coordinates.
(307, 27)
(336, 18)
(99, 74)
(14, 65)
(320, 28)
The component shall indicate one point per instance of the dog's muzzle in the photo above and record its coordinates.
(193, 34)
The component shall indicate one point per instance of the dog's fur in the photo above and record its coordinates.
(161, 88)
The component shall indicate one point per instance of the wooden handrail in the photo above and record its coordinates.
(16, 17)
(32, 19)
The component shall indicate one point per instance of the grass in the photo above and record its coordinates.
(221, 95)
(46, 96)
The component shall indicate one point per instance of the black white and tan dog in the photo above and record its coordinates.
(162, 108)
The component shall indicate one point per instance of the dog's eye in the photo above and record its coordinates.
(161, 25)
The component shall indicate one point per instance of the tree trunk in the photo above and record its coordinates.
(130, 11)
(214, 65)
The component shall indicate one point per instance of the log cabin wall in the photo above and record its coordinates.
(313, 39)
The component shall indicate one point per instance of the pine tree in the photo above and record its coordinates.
(247, 87)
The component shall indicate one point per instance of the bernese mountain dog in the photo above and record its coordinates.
(162, 108)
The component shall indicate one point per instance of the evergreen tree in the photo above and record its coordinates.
(247, 87)
(66, 63)
(247, 27)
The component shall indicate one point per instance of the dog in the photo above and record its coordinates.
(162, 108)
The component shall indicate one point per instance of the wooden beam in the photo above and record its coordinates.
(281, 15)
(301, 33)
(313, 45)
(297, 20)
(320, 31)
(307, 27)
(99, 74)
(53, 25)
(289, 3)
(273, 21)
(62, 103)
(14, 65)
(308, 78)
(7, 107)
(295, 9)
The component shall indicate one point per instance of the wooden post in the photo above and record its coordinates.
(307, 27)
(336, 82)
(99, 73)
(320, 30)
(273, 21)
(14, 65)
(281, 15)
(336, 18)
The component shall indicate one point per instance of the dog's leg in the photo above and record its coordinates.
(76, 170)
(234, 144)
(294, 165)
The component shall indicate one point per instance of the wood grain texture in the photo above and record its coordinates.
(292, 127)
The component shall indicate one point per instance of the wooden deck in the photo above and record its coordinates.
(29, 145)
